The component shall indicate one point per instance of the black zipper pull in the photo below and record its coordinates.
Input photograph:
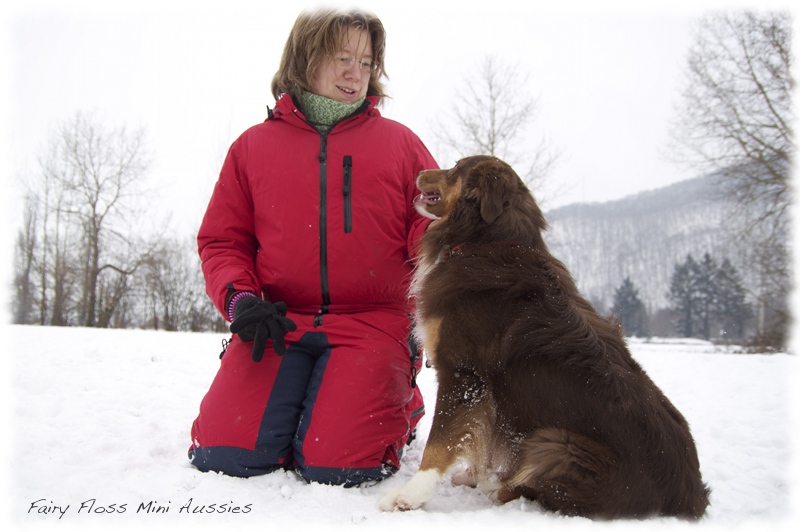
(323, 148)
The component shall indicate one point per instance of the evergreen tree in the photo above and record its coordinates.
(732, 309)
(629, 309)
(684, 297)
(704, 296)
(705, 284)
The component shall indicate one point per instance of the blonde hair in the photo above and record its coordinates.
(316, 37)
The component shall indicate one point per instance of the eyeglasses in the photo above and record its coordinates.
(366, 65)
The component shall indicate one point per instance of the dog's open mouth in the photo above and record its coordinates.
(430, 198)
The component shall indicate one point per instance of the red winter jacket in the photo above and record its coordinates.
(321, 221)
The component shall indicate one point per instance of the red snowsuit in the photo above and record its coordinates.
(325, 223)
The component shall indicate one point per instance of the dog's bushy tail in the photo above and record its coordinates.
(567, 471)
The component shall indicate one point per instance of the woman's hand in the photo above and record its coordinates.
(256, 320)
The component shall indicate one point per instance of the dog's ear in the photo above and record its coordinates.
(491, 203)
(493, 190)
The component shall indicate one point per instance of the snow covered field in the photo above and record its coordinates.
(100, 428)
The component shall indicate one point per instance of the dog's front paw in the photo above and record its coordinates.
(395, 500)
(422, 486)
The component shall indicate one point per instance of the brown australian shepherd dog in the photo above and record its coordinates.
(538, 395)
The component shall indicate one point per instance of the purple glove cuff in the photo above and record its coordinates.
(235, 299)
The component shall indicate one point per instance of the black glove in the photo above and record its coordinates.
(257, 321)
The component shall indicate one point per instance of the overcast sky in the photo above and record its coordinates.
(196, 74)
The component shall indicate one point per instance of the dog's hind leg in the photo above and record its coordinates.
(564, 470)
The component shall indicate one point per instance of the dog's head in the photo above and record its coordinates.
(480, 194)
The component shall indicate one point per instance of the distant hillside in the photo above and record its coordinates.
(641, 237)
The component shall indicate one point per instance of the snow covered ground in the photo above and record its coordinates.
(100, 428)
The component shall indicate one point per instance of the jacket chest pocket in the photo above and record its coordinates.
(347, 193)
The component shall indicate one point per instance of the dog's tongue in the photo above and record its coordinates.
(430, 197)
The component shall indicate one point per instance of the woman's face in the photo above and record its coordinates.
(345, 84)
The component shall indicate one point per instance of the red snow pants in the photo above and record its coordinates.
(337, 407)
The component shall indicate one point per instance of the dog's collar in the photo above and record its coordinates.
(464, 246)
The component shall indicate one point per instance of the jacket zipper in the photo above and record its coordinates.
(347, 193)
(323, 216)
(323, 226)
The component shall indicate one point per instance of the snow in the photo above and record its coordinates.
(100, 428)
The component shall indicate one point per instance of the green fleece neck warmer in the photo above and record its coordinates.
(323, 112)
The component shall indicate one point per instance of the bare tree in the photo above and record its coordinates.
(735, 120)
(173, 290)
(84, 255)
(492, 114)
(23, 302)
(85, 213)
(60, 244)
(103, 174)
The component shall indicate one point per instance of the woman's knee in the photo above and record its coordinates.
(233, 461)
(345, 477)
